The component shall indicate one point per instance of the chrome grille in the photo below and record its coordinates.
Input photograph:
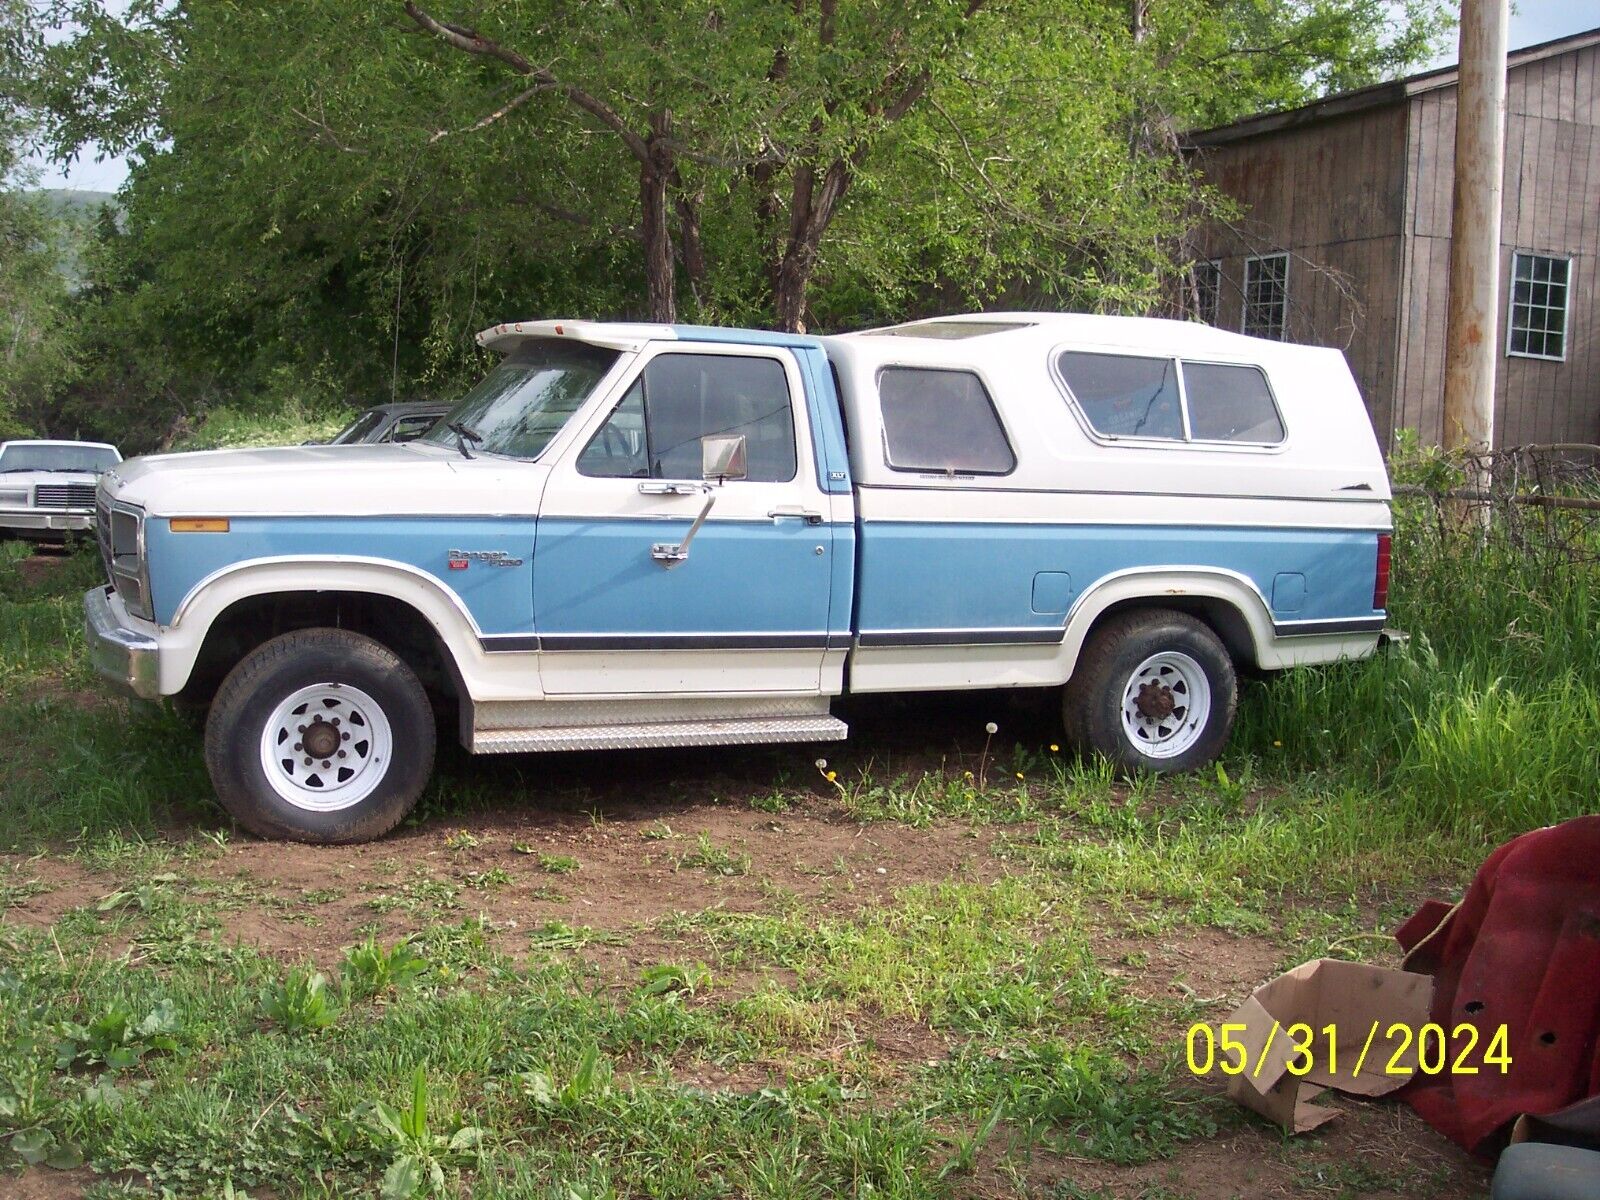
(64, 495)
(102, 533)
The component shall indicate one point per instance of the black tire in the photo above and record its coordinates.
(1092, 702)
(265, 679)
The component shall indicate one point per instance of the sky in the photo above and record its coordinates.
(1534, 21)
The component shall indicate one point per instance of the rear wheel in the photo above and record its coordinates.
(1153, 690)
(320, 735)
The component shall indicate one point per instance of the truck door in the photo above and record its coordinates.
(621, 605)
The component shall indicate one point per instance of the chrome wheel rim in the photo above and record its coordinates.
(326, 747)
(1165, 704)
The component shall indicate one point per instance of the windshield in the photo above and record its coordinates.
(25, 457)
(359, 429)
(524, 402)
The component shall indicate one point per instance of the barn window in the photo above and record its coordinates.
(1266, 296)
(941, 420)
(1537, 323)
(1207, 290)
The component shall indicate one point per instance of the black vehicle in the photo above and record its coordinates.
(402, 421)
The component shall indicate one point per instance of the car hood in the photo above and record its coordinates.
(330, 481)
(30, 479)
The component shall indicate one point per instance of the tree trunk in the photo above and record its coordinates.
(690, 244)
(811, 210)
(655, 173)
(660, 284)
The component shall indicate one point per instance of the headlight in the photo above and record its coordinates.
(129, 573)
(14, 497)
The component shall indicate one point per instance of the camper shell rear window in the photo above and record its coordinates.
(1169, 399)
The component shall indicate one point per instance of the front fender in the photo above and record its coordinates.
(442, 608)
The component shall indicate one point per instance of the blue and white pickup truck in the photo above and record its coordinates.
(639, 535)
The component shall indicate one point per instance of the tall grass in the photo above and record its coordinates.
(1485, 723)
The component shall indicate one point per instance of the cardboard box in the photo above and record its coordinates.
(1349, 996)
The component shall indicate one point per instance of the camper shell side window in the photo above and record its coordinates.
(941, 421)
(1167, 400)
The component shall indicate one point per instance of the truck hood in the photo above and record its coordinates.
(31, 479)
(327, 481)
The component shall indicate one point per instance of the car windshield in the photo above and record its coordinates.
(33, 457)
(524, 402)
(358, 430)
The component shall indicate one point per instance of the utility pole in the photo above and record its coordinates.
(1472, 339)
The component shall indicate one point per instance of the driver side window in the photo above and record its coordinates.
(655, 430)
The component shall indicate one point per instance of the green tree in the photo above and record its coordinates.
(330, 195)
(35, 347)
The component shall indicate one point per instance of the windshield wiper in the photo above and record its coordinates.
(465, 434)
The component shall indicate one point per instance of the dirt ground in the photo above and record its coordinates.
(302, 902)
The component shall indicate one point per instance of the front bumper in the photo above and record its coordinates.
(25, 523)
(126, 657)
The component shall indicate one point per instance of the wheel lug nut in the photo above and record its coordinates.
(326, 764)
(299, 728)
(336, 720)
(344, 737)
(308, 762)
(341, 754)
(298, 746)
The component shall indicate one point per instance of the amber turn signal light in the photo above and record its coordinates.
(199, 524)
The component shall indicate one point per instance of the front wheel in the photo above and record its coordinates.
(320, 735)
(1153, 690)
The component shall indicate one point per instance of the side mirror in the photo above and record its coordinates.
(722, 456)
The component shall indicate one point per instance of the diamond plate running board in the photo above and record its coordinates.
(655, 734)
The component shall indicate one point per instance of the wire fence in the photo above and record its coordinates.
(1540, 502)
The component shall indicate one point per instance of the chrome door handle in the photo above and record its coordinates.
(794, 510)
(672, 489)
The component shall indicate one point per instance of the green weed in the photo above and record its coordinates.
(713, 859)
(372, 970)
(302, 1003)
(417, 1156)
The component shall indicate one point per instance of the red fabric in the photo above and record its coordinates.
(1522, 949)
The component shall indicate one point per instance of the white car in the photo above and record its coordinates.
(47, 488)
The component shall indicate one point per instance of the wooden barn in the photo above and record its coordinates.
(1343, 239)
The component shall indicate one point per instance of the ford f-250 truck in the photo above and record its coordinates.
(637, 535)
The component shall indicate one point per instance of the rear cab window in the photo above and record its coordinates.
(1171, 400)
(943, 421)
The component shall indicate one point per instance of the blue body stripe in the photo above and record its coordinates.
(596, 576)
(951, 575)
(499, 598)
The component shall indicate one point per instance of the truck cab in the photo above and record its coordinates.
(635, 535)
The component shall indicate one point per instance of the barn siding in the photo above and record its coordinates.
(1552, 142)
(1339, 186)
(1367, 194)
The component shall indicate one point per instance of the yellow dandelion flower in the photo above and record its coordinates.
(1020, 775)
(1277, 743)
(832, 775)
(1054, 749)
